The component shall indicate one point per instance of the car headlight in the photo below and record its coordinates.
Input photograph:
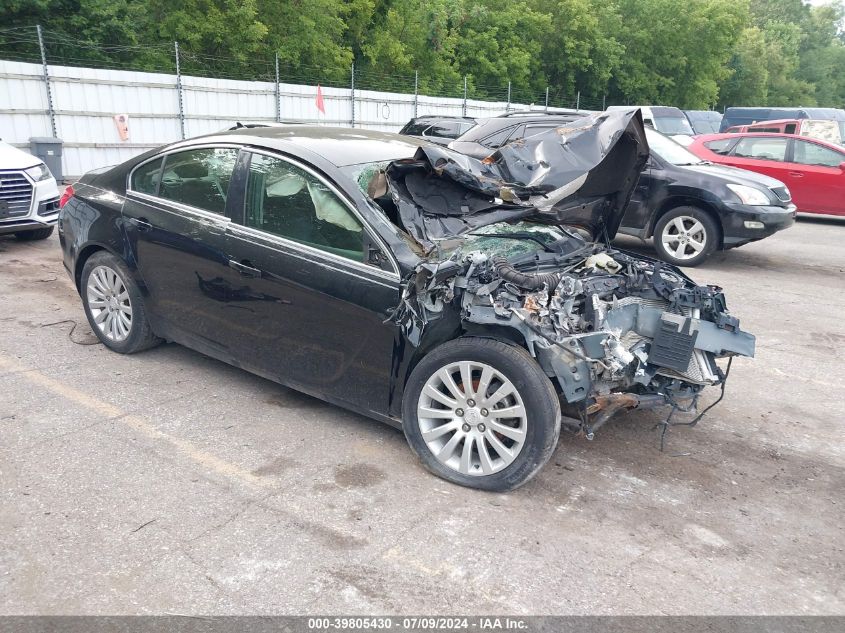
(750, 195)
(39, 172)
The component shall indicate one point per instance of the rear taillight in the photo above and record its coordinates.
(67, 195)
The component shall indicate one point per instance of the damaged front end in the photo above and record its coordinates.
(614, 330)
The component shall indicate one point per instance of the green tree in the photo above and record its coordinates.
(218, 37)
(748, 83)
(415, 36)
(308, 36)
(676, 51)
(690, 53)
(581, 52)
(501, 42)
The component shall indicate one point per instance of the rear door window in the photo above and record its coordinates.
(145, 178)
(416, 128)
(808, 153)
(762, 148)
(199, 177)
(498, 138)
(444, 129)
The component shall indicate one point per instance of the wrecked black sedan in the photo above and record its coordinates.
(468, 302)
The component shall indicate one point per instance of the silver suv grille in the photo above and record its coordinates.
(15, 195)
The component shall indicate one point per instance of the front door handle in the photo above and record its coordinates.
(143, 224)
(796, 174)
(245, 268)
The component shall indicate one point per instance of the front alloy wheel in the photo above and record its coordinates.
(480, 412)
(472, 418)
(685, 236)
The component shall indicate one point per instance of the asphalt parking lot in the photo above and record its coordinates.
(167, 482)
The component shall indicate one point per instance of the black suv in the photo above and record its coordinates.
(438, 129)
(689, 206)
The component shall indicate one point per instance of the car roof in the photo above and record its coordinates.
(450, 117)
(339, 146)
(486, 127)
(541, 113)
(776, 121)
(654, 109)
(820, 113)
(702, 138)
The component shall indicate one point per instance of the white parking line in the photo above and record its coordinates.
(184, 447)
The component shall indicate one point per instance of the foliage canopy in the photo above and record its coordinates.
(689, 53)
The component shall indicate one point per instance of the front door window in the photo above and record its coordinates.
(287, 201)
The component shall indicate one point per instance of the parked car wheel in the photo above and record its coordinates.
(685, 236)
(114, 305)
(36, 234)
(481, 413)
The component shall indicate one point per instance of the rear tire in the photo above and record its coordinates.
(686, 236)
(35, 234)
(114, 305)
(494, 436)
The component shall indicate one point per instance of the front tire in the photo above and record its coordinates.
(481, 413)
(114, 305)
(35, 234)
(686, 236)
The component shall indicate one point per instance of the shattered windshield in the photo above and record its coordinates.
(519, 238)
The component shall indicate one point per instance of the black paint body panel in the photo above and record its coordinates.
(309, 321)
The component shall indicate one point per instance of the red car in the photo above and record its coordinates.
(814, 170)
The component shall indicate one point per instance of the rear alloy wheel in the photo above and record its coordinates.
(481, 413)
(685, 236)
(109, 303)
(114, 306)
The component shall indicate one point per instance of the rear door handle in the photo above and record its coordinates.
(245, 268)
(796, 174)
(143, 224)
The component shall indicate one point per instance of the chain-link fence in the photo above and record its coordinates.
(32, 44)
(54, 85)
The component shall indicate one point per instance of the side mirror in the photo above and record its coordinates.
(842, 166)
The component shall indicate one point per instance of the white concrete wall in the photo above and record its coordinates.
(86, 99)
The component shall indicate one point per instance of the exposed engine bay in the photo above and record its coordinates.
(615, 330)
(509, 247)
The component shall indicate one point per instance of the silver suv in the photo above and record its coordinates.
(29, 198)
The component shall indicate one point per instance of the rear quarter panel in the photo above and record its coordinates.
(90, 221)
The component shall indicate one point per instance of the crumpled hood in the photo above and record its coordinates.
(580, 174)
(13, 158)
